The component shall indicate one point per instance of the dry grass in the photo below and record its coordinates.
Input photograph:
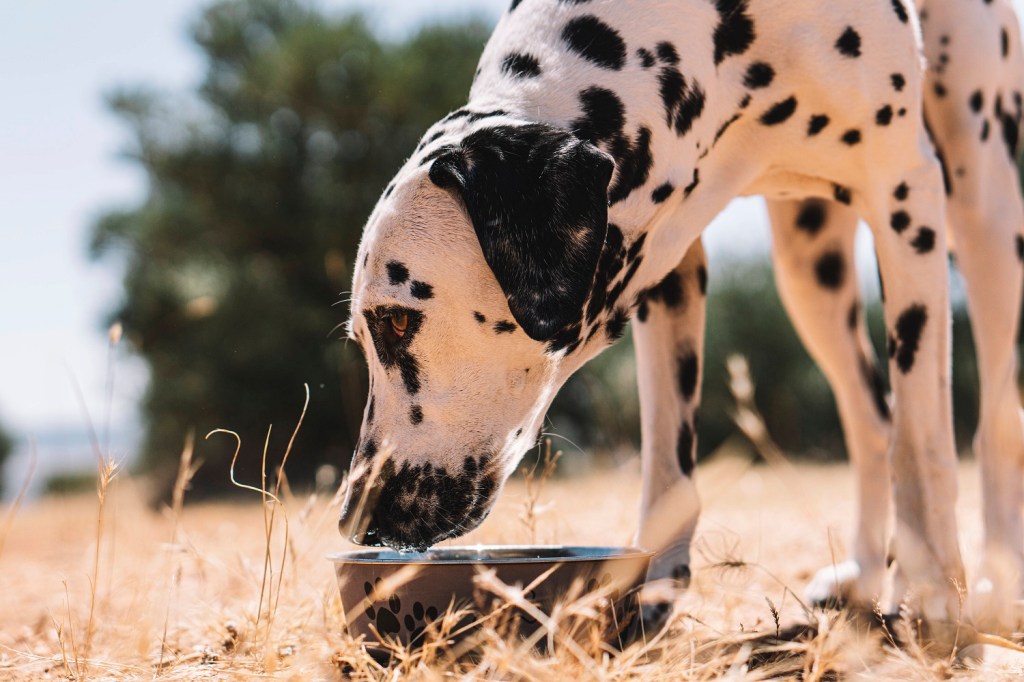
(106, 589)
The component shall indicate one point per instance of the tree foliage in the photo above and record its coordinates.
(259, 184)
(6, 448)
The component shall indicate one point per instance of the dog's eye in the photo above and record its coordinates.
(399, 323)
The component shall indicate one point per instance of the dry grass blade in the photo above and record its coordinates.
(181, 482)
(746, 414)
(532, 509)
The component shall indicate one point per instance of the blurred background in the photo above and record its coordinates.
(196, 175)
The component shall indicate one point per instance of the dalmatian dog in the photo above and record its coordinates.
(569, 195)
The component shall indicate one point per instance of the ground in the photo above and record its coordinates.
(176, 595)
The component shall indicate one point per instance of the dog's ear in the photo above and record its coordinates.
(538, 200)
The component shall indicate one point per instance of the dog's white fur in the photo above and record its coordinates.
(477, 391)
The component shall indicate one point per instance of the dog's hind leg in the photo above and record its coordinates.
(973, 102)
(668, 333)
(813, 256)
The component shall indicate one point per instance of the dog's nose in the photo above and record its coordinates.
(355, 523)
(366, 534)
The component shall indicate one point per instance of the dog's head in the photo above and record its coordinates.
(468, 302)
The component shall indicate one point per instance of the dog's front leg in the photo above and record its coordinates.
(907, 218)
(669, 337)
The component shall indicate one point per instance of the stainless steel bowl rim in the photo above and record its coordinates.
(491, 554)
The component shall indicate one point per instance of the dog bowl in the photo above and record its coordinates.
(392, 597)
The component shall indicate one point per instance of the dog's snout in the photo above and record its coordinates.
(415, 506)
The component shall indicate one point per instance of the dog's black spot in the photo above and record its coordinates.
(472, 116)
(1005, 42)
(848, 43)
(901, 192)
(883, 116)
(976, 101)
(389, 189)
(684, 448)
(693, 183)
(504, 327)
(924, 241)
(851, 137)
(603, 115)
(669, 290)
(479, 317)
(947, 181)
(636, 247)
(370, 410)
(702, 279)
(876, 384)
(901, 11)
(416, 414)
(613, 257)
(759, 75)
(817, 124)
(595, 41)
(725, 126)
(1010, 123)
(521, 65)
(904, 342)
(646, 57)
(397, 273)
(615, 327)
(735, 31)
(1019, 243)
(515, 3)
(779, 112)
(898, 81)
(667, 53)
(369, 448)
(745, 102)
(616, 291)
(633, 164)
(939, 89)
(852, 316)
(812, 216)
(688, 371)
(662, 192)
(842, 194)
(478, 115)
(985, 130)
(830, 269)
(684, 102)
(543, 241)
(421, 290)
(899, 221)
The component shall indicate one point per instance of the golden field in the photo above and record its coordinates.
(120, 591)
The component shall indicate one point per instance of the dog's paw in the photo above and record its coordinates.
(835, 586)
(657, 599)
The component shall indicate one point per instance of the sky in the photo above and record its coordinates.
(59, 170)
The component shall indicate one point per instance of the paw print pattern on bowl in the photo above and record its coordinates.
(384, 615)
(417, 621)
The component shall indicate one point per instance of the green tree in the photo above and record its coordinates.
(259, 184)
(6, 448)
